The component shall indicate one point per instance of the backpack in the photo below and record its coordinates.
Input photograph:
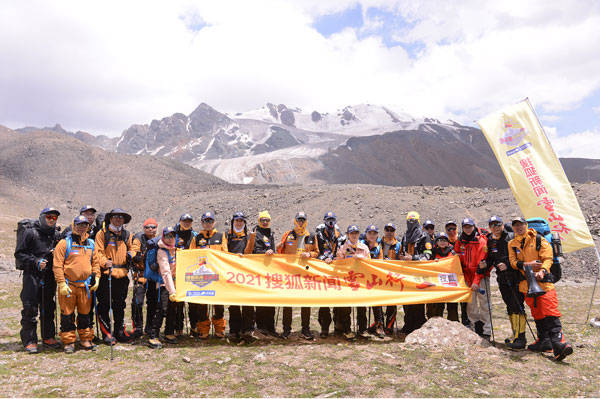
(22, 227)
(90, 244)
(151, 269)
(543, 230)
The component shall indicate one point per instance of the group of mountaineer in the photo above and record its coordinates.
(91, 260)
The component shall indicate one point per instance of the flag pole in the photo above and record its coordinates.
(594, 290)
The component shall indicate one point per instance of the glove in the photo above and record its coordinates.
(96, 284)
(172, 297)
(64, 289)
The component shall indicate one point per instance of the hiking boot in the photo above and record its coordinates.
(31, 349)
(363, 334)
(109, 340)
(194, 333)
(349, 336)
(249, 337)
(324, 334)
(285, 334)
(562, 350)
(307, 334)
(379, 331)
(135, 334)
(541, 345)
(518, 343)
(170, 339)
(51, 343)
(178, 333)
(88, 346)
(486, 337)
(154, 343)
(70, 348)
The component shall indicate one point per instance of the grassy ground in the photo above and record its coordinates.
(328, 368)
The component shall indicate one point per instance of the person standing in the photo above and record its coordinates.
(209, 237)
(262, 241)
(77, 272)
(33, 255)
(327, 235)
(298, 241)
(530, 253)
(115, 253)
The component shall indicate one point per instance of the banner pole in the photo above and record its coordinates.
(594, 290)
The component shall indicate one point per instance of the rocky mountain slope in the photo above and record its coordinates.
(357, 144)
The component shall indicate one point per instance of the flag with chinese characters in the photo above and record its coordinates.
(220, 278)
(534, 173)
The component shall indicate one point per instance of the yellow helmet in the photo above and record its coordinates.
(413, 215)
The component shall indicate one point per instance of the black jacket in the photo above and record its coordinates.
(37, 244)
(422, 248)
(327, 242)
(264, 240)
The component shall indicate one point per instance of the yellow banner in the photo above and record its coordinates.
(534, 173)
(215, 277)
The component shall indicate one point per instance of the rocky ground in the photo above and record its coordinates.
(443, 359)
(361, 204)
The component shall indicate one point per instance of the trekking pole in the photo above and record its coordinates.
(110, 311)
(489, 298)
(277, 317)
(95, 303)
(43, 311)
(186, 319)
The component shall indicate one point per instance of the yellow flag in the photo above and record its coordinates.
(534, 173)
(215, 277)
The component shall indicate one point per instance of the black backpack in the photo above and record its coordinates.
(22, 227)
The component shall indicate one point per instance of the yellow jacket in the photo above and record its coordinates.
(116, 250)
(79, 265)
(522, 249)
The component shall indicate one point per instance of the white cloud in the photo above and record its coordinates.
(575, 145)
(596, 110)
(103, 66)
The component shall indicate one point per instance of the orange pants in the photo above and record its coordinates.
(78, 300)
(544, 305)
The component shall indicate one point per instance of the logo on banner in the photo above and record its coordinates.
(200, 274)
(514, 135)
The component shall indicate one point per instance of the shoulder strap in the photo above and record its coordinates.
(69, 240)
(538, 241)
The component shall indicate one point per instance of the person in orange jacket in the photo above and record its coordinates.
(77, 272)
(115, 253)
(442, 249)
(298, 241)
(452, 231)
(526, 250)
(392, 250)
(209, 237)
(472, 250)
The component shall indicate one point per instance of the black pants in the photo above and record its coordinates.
(287, 318)
(160, 311)
(141, 291)
(241, 319)
(194, 310)
(390, 316)
(414, 317)
(38, 295)
(361, 318)
(464, 318)
(325, 318)
(509, 289)
(342, 319)
(174, 309)
(119, 288)
(218, 312)
(265, 318)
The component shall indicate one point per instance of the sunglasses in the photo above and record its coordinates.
(389, 229)
(264, 220)
(150, 227)
(450, 228)
(83, 224)
(208, 220)
(51, 217)
(496, 224)
(118, 216)
(170, 236)
(429, 227)
(301, 220)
